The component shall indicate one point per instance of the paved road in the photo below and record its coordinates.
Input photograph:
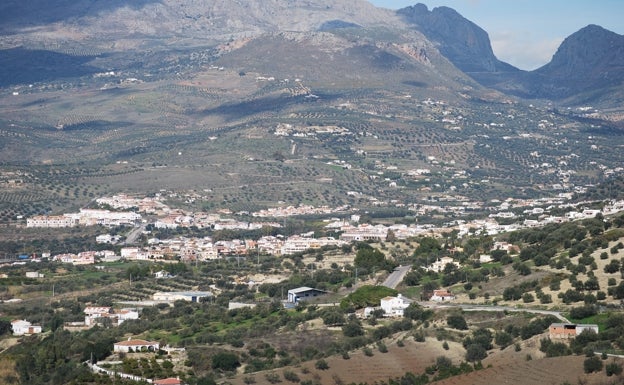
(134, 235)
(396, 277)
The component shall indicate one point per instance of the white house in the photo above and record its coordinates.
(135, 346)
(441, 263)
(172, 296)
(21, 327)
(394, 306)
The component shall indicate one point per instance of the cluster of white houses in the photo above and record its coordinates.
(86, 217)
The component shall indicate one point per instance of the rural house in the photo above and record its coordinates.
(21, 327)
(565, 330)
(394, 306)
(131, 345)
(441, 296)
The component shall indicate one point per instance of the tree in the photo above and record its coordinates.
(503, 339)
(333, 317)
(427, 245)
(225, 361)
(457, 321)
(5, 327)
(475, 352)
(353, 328)
(416, 312)
(372, 259)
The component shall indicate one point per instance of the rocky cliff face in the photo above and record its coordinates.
(464, 43)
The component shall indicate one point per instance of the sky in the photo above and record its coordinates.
(527, 33)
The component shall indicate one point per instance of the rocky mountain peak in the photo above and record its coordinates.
(463, 42)
(589, 49)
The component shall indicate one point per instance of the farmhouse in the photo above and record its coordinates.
(172, 296)
(131, 345)
(21, 327)
(295, 295)
(565, 330)
(442, 295)
(394, 306)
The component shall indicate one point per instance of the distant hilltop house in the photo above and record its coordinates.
(21, 327)
(441, 296)
(131, 345)
(568, 330)
(394, 306)
(303, 293)
(172, 296)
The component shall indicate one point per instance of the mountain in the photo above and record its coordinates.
(178, 22)
(464, 43)
(589, 59)
(588, 67)
(325, 101)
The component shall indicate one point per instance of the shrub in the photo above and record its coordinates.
(613, 368)
(475, 352)
(592, 364)
(321, 364)
(291, 376)
(457, 321)
(273, 377)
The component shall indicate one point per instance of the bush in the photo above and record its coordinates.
(273, 377)
(291, 376)
(613, 368)
(457, 321)
(592, 364)
(321, 364)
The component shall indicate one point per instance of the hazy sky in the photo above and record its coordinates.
(527, 33)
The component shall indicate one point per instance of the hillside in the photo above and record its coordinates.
(196, 104)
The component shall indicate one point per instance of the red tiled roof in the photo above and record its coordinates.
(168, 381)
(135, 343)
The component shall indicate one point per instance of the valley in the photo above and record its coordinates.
(200, 194)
